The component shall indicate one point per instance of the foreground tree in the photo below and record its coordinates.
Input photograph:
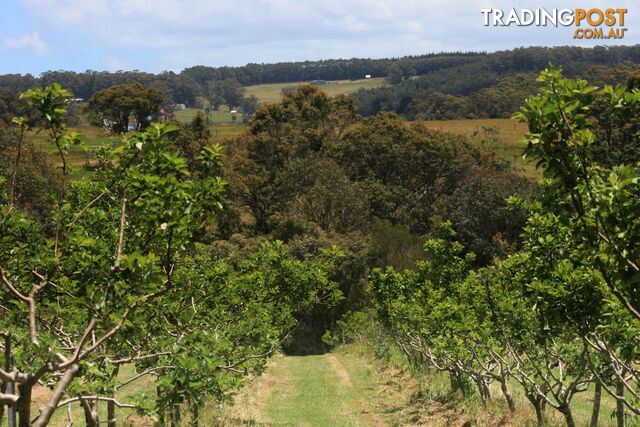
(122, 280)
(119, 241)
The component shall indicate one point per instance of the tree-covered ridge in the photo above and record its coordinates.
(442, 70)
(490, 88)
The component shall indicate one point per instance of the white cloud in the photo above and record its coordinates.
(203, 26)
(29, 42)
(179, 33)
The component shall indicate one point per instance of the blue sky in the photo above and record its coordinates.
(157, 35)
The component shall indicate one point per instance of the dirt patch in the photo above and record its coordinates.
(40, 396)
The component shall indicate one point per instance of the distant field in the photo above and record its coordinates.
(78, 158)
(214, 117)
(222, 124)
(273, 92)
(222, 131)
(502, 136)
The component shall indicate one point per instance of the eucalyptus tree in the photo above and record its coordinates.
(117, 105)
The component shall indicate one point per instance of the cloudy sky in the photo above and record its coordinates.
(157, 35)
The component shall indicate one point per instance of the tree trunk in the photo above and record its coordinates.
(89, 421)
(95, 414)
(7, 367)
(111, 414)
(539, 413)
(483, 389)
(487, 390)
(457, 383)
(568, 415)
(111, 406)
(175, 415)
(504, 386)
(11, 409)
(597, 398)
(620, 418)
(537, 403)
(195, 414)
(8, 387)
(24, 405)
(162, 410)
(63, 384)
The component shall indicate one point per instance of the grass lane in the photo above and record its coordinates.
(316, 391)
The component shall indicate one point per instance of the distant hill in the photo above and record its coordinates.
(456, 73)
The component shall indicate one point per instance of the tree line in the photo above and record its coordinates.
(500, 84)
(442, 72)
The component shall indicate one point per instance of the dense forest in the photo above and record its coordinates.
(192, 263)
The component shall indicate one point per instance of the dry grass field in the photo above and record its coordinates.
(500, 136)
(273, 92)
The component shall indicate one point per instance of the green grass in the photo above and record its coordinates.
(224, 131)
(82, 162)
(188, 115)
(349, 387)
(314, 395)
(273, 92)
(78, 159)
(337, 389)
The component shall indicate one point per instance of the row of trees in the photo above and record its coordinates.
(114, 275)
(561, 316)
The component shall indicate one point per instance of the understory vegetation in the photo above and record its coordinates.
(187, 264)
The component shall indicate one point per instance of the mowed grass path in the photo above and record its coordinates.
(318, 392)
(326, 390)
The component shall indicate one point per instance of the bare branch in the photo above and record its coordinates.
(138, 358)
(121, 233)
(142, 374)
(70, 416)
(84, 209)
(100, 398)
(80, 355)
(47, 411)
(29, 300)
(8, 399)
